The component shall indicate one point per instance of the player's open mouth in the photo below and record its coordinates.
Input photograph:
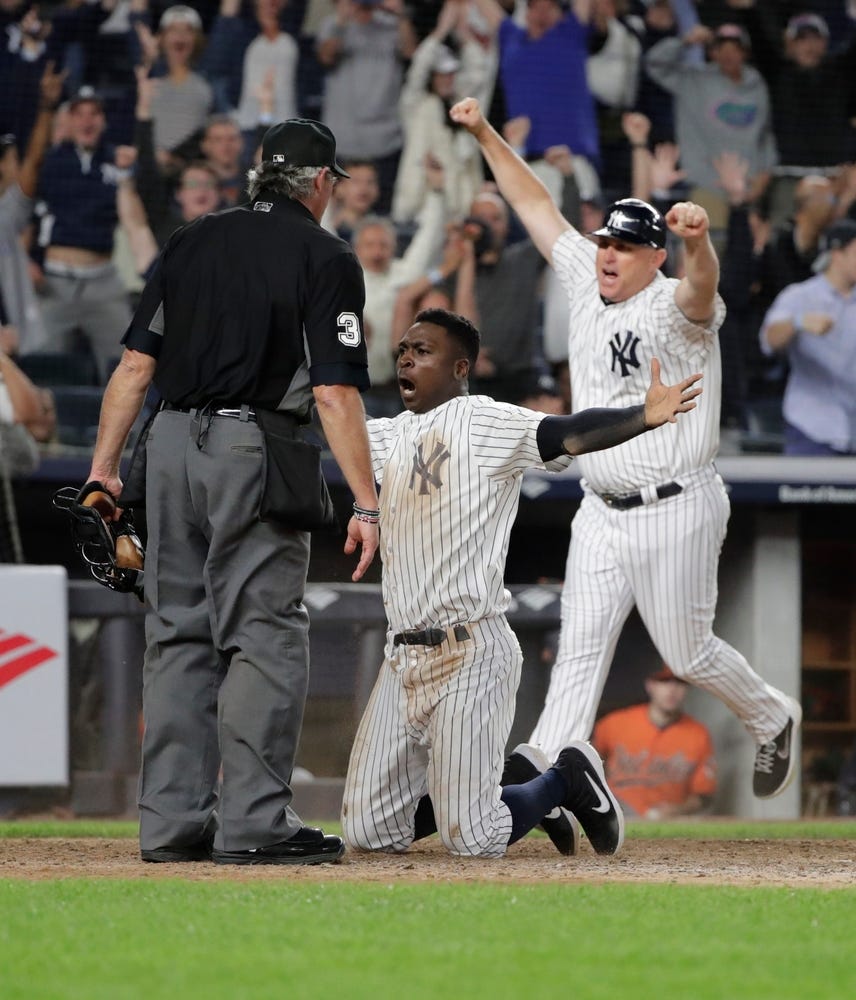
(406, 386)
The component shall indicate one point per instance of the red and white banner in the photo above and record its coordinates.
(33, 675)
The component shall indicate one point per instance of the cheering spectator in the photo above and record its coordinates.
(197, 194)
(787, 259)
(18, 183)
(542, 67)
(736, 119)
(362, 48)
(222, 146)
(81, 289)
(222, 62)
(612, 72)
(451, 285)
(354, 197)
(812, 92)
(270, 60)
(384, 274)
(183, 99)
(659, 760)
(436, 79)
(813, 322)
(655, 22)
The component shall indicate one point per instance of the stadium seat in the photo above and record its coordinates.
(765, 432)
(77, 410)
(55, 368)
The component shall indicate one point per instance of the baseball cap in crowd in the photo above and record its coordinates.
(536, 384)
(835, 237)
(634, 221)
(445, 61)
(85, 94)
(180, 14)
(801, 25)
(301, 142)
(664, 673)
(731, 33)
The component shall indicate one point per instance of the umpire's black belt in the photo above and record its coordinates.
(429, 636)
(626, 501)
(238, 411)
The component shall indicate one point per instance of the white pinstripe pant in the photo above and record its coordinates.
(437, 721)
(664, 557)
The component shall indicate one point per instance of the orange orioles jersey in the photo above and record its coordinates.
(647, 766)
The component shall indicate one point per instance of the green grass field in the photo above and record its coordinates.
(153, 938)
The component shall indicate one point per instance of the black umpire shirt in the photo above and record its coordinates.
(255, 304)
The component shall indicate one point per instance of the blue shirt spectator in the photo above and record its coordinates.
(543, 72)
(815, 322)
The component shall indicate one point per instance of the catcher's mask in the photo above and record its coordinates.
(111, 550)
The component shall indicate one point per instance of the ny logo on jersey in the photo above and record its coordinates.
(428, 470)
(624, 352)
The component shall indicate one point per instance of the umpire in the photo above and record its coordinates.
(250, 315)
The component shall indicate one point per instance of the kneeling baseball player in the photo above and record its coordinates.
(429, 749)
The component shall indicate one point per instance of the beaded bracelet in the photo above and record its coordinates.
(368, 516)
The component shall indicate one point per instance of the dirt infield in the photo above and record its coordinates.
(824, 864)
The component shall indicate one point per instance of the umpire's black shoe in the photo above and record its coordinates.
(774, 761)
(589, 797)
(308, 846)
(200, 851)
(526, 762)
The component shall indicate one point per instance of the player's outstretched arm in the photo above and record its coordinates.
(696, 292)
(526, 194)
(605, 427)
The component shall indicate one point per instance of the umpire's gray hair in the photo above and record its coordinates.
(290, 182)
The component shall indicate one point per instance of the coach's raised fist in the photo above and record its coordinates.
(468, 113)
(687, 220)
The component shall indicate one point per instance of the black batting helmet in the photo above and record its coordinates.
(634, 221)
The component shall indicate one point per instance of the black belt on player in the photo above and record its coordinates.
(626, 501)
(237, 411)
(429, 636)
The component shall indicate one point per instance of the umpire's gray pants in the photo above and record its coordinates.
(227, 651)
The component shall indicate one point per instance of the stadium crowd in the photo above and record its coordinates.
(121, 120)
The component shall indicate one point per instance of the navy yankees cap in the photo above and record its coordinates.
(301, 142)
(84, 95)
(634, 221)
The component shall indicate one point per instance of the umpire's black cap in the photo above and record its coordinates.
(634, 221)
(301, 142)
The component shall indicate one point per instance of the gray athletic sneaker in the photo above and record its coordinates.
(774, 761)
(526, 762)
(590, 798)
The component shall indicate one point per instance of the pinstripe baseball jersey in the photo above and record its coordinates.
(663, 555)
(610, 349)
(450, 486)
